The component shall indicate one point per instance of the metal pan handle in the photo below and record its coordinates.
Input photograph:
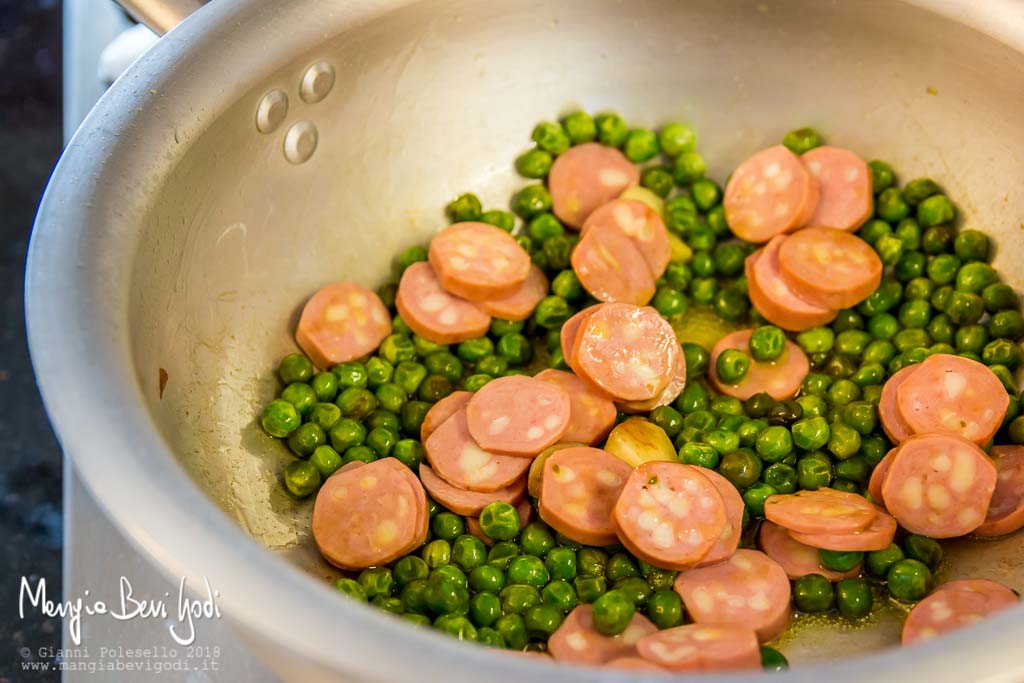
(160, 15)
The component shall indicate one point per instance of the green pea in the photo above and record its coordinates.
(457, 626)
(381, 440)
(873, 448)
(437, 553)
(726, 405)
(941, 296)
(814, 471)
(891, 206)
(999, 352)
(813, 593)
(816, 384)
(802, 140)
(453, 574)
(890, 249)
(919, 289)
(613, 612)
(688, 167)
(811, 433)
(411, 417)
(1005, 376)
(705, 193)
(935, 210)
(589, 588)
(356, 402)
(301, 396)
(729, 259)
(860, 415)
(732, 366)
(544, 227)
(408, 569)
(816, 340)
(611, 129)
(637, 589)
(669, 302)
(943, 268)
(640, 145)
(391, 397)
(620, 566)
(759, 405)
(855, 469)
(517, 598)
(326, 460)
(490, 637)
(923, 549)
(771, 659)
(657, 578)
(351, 374)
(434, 388)
(879, 562)
(534, 163)
(964, 308)
(512, 630)
(536, 539)
(668, 418)
(852, 342)
(1015, 430)
(465, 207)
(580, 127)
(909, 580)
(485, 609)
(408, 376)
(680, 214)
(351, 588)
(486, 578)
(515, 348)
(398, 325)
(882, 175)
(1008, 324)
(529, 570)
(716, 221)
(393, 605)
(840, 561)
(854, 598)
(812, 405)
(447, 526)
(974, 277)
(874, 230)
(886, 297)
(699, 454)
(561, 564)
(747, 433)
(499, 219)
(722, 440)
(358, 454)
(676, 138)
(301, 478)
(697, 359)
(774, 443)
(543, 620)
(280, 418)
(780, 477)
(844, 441)
(591, 561)
(551, 137)
(756, 495)
(500, 521)
(665, 609)
(999, 297)
(531, 201)
(742, 468)
(444, 364)
(552, 311)
(476, 382)
(492, 365)
(377, 581)
(295, 367)
(304, 440)
(874, 372)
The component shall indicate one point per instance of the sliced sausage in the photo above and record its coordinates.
(795, 558)
(577, 641)
(670, 515)
(950, 394)
(525, 510)
(518, 415)
(702, 647)
(457, 458)
(628, 351)
(954, 605)
(369, 516)
(773, 298)
(536, 473)
(878, 477)
(519, 304)
(591, 413)
(633, 664)
(568, 333)
(671, 391)
(768, 194)
(780, 378)
(610, 266)
(441, 411)
(465, 502)
(825, 511)
(641, 224)
(1006, 511)
(877, 536)
(585, 177)
(478, 261)
(939, 485)
(829, 268)
(578, 488)
(844, 181)
(889, 415)
(340, 323)
(435, 314)
(729, 540)
(749, 589)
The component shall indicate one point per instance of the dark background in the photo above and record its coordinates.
(30, 459)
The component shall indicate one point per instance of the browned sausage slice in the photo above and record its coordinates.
(585, 177)
(578, 489)
(829, 268)
(950, 394)
(478, 261)
(773, 298)
(518, 415)
(435, 314)
(844, 180)
(457, 458)
(749, 590)
(939, 485)
(340, 323)
(780, 378)
(768, 194)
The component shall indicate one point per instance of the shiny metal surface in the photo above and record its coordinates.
(175, 237)
(160, 15)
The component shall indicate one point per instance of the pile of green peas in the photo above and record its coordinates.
(939, 296)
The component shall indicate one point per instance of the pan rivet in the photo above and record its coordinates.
(271, 112)
(317, 82)
(300, 142)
